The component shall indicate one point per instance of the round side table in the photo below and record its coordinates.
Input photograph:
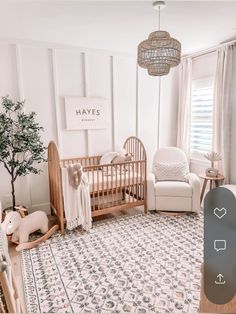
(216, 180)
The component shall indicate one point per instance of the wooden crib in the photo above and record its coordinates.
(112, 186)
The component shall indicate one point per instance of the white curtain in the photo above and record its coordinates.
(184, 106)
(226, 59)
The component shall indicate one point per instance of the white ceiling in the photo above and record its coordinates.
(117, 25)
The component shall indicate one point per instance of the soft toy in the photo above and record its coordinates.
(75, 172)
(20, 227)
(122, 158)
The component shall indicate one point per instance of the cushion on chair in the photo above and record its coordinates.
(171, 171)
(173, 189)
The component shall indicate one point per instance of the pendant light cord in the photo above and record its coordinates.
(159, 89)
(159, 112)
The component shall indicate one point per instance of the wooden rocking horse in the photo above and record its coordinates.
(19, 226)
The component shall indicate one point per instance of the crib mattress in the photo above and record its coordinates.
(99, 181)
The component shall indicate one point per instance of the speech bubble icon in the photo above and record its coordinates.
(220, 245)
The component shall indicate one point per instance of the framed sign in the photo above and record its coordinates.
(84, 113)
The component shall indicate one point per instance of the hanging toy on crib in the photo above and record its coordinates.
(19, 227)
(75, 173)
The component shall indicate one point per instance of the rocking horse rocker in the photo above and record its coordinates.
(19, 227)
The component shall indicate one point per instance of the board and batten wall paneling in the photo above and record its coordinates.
(168, 108)
(44, 75)
(98, 85)
(124, 95)
(148, 98)
(8, 74)
(148, 112)
(38, 88)
(71, 82)
(9, 86)
(36, 67)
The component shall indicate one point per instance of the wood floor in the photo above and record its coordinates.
(16, 266)
(15, 256)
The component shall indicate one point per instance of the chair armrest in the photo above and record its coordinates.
(151, 204)
(194, 181)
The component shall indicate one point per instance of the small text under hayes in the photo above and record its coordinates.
(87, 120)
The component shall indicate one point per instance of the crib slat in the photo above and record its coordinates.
(120, 173)
(141, 172)
(102, 188)
(137, 178)
(107, 192)
(112, 186)
(93, 206)
(133, 151)
(129, 181)
(133, 182)
(116, 187)
(98, 189)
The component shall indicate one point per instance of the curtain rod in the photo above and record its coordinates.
(208, 50)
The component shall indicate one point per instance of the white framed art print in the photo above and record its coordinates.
(84, 113)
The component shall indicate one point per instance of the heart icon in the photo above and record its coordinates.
(220, 213)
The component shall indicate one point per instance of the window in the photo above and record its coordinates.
(201, 117)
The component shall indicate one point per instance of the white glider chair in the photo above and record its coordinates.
(176, 189)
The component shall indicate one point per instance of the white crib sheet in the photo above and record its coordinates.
(110, 181)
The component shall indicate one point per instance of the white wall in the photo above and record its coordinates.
(44, 75)
(148, 88)
(168, 110)
(204, 66)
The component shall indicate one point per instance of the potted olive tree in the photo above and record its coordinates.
(21, 147)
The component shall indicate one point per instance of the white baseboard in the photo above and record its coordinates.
(43, 206)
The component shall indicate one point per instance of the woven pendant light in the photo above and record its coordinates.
(159, 52)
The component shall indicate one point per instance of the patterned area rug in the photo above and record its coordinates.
(137, 264)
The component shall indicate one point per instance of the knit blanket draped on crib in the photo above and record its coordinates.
(77, 204)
